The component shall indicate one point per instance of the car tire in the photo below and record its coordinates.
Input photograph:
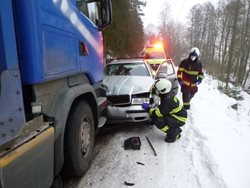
(79, 140)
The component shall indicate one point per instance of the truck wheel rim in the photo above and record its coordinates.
(85, 138)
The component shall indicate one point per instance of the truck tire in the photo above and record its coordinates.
(57, 183)
(79, 140)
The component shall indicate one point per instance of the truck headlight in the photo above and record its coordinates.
(36, 108)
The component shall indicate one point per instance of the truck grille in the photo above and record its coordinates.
(119, 99)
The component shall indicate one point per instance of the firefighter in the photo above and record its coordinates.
(189, 76)
(170, 115)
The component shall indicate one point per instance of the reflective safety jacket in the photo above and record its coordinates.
(170, 106)
(190, 71)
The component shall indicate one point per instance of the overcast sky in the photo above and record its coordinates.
(179, 9)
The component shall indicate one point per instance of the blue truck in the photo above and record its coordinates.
(52, 100)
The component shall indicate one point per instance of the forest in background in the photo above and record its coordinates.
(223, 36)
(125, 36)
(221, 32)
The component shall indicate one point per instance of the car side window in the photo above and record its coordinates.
(170, 68)
(166, 68)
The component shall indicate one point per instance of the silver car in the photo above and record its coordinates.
(128, 83)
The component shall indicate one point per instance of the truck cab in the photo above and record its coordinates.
(52, 100)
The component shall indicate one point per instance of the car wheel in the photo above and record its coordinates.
(79, 140)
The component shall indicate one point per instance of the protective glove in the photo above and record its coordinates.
(180, 81)
(145, 106)
(199, 81)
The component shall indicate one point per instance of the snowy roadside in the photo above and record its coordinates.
(213, 150)
(226, 132)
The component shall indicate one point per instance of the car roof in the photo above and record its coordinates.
(121, 61)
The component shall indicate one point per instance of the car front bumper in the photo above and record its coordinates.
(128, 114)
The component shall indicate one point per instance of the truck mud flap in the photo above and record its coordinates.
(102, 108)
(31, 164)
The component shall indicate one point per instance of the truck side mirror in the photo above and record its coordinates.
(106, 14)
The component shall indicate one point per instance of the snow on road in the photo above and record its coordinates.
(212, 152)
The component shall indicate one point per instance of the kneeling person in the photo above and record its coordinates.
(170, 115)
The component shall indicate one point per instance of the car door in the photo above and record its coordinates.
(167, 70)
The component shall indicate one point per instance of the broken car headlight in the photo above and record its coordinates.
(139, 100)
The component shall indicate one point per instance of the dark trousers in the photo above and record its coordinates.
(187, 94)
(169, 125)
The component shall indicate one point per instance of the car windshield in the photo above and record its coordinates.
(155, 55)
(129, 69)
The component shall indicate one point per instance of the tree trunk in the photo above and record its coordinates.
(231, 49)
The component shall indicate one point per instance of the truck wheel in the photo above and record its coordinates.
(57, 183)
(79, 140)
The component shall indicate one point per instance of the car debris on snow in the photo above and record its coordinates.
(155, 154)
(132, 143)
(129, 184)
(140, 163)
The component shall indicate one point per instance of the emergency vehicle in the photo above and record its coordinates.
(154, 54)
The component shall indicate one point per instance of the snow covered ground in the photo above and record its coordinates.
(213, 151)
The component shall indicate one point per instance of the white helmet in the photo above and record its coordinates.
(163, 86)
(195, 52)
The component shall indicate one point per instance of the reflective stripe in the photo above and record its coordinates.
(164, 129)
(151, 111)
(181, 69)
(178, 136)
(158, 113)
(175, 110)
(14, 155)
(201, 76)
(189, 84)
(191, 72)
(179, 76)
(175, 99)
(186, 103)
(182, 119)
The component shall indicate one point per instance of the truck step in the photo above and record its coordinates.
(102, 121)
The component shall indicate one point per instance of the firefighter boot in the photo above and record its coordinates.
(172, 139)
(173, 134)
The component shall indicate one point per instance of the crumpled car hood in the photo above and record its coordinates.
(121, 85)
